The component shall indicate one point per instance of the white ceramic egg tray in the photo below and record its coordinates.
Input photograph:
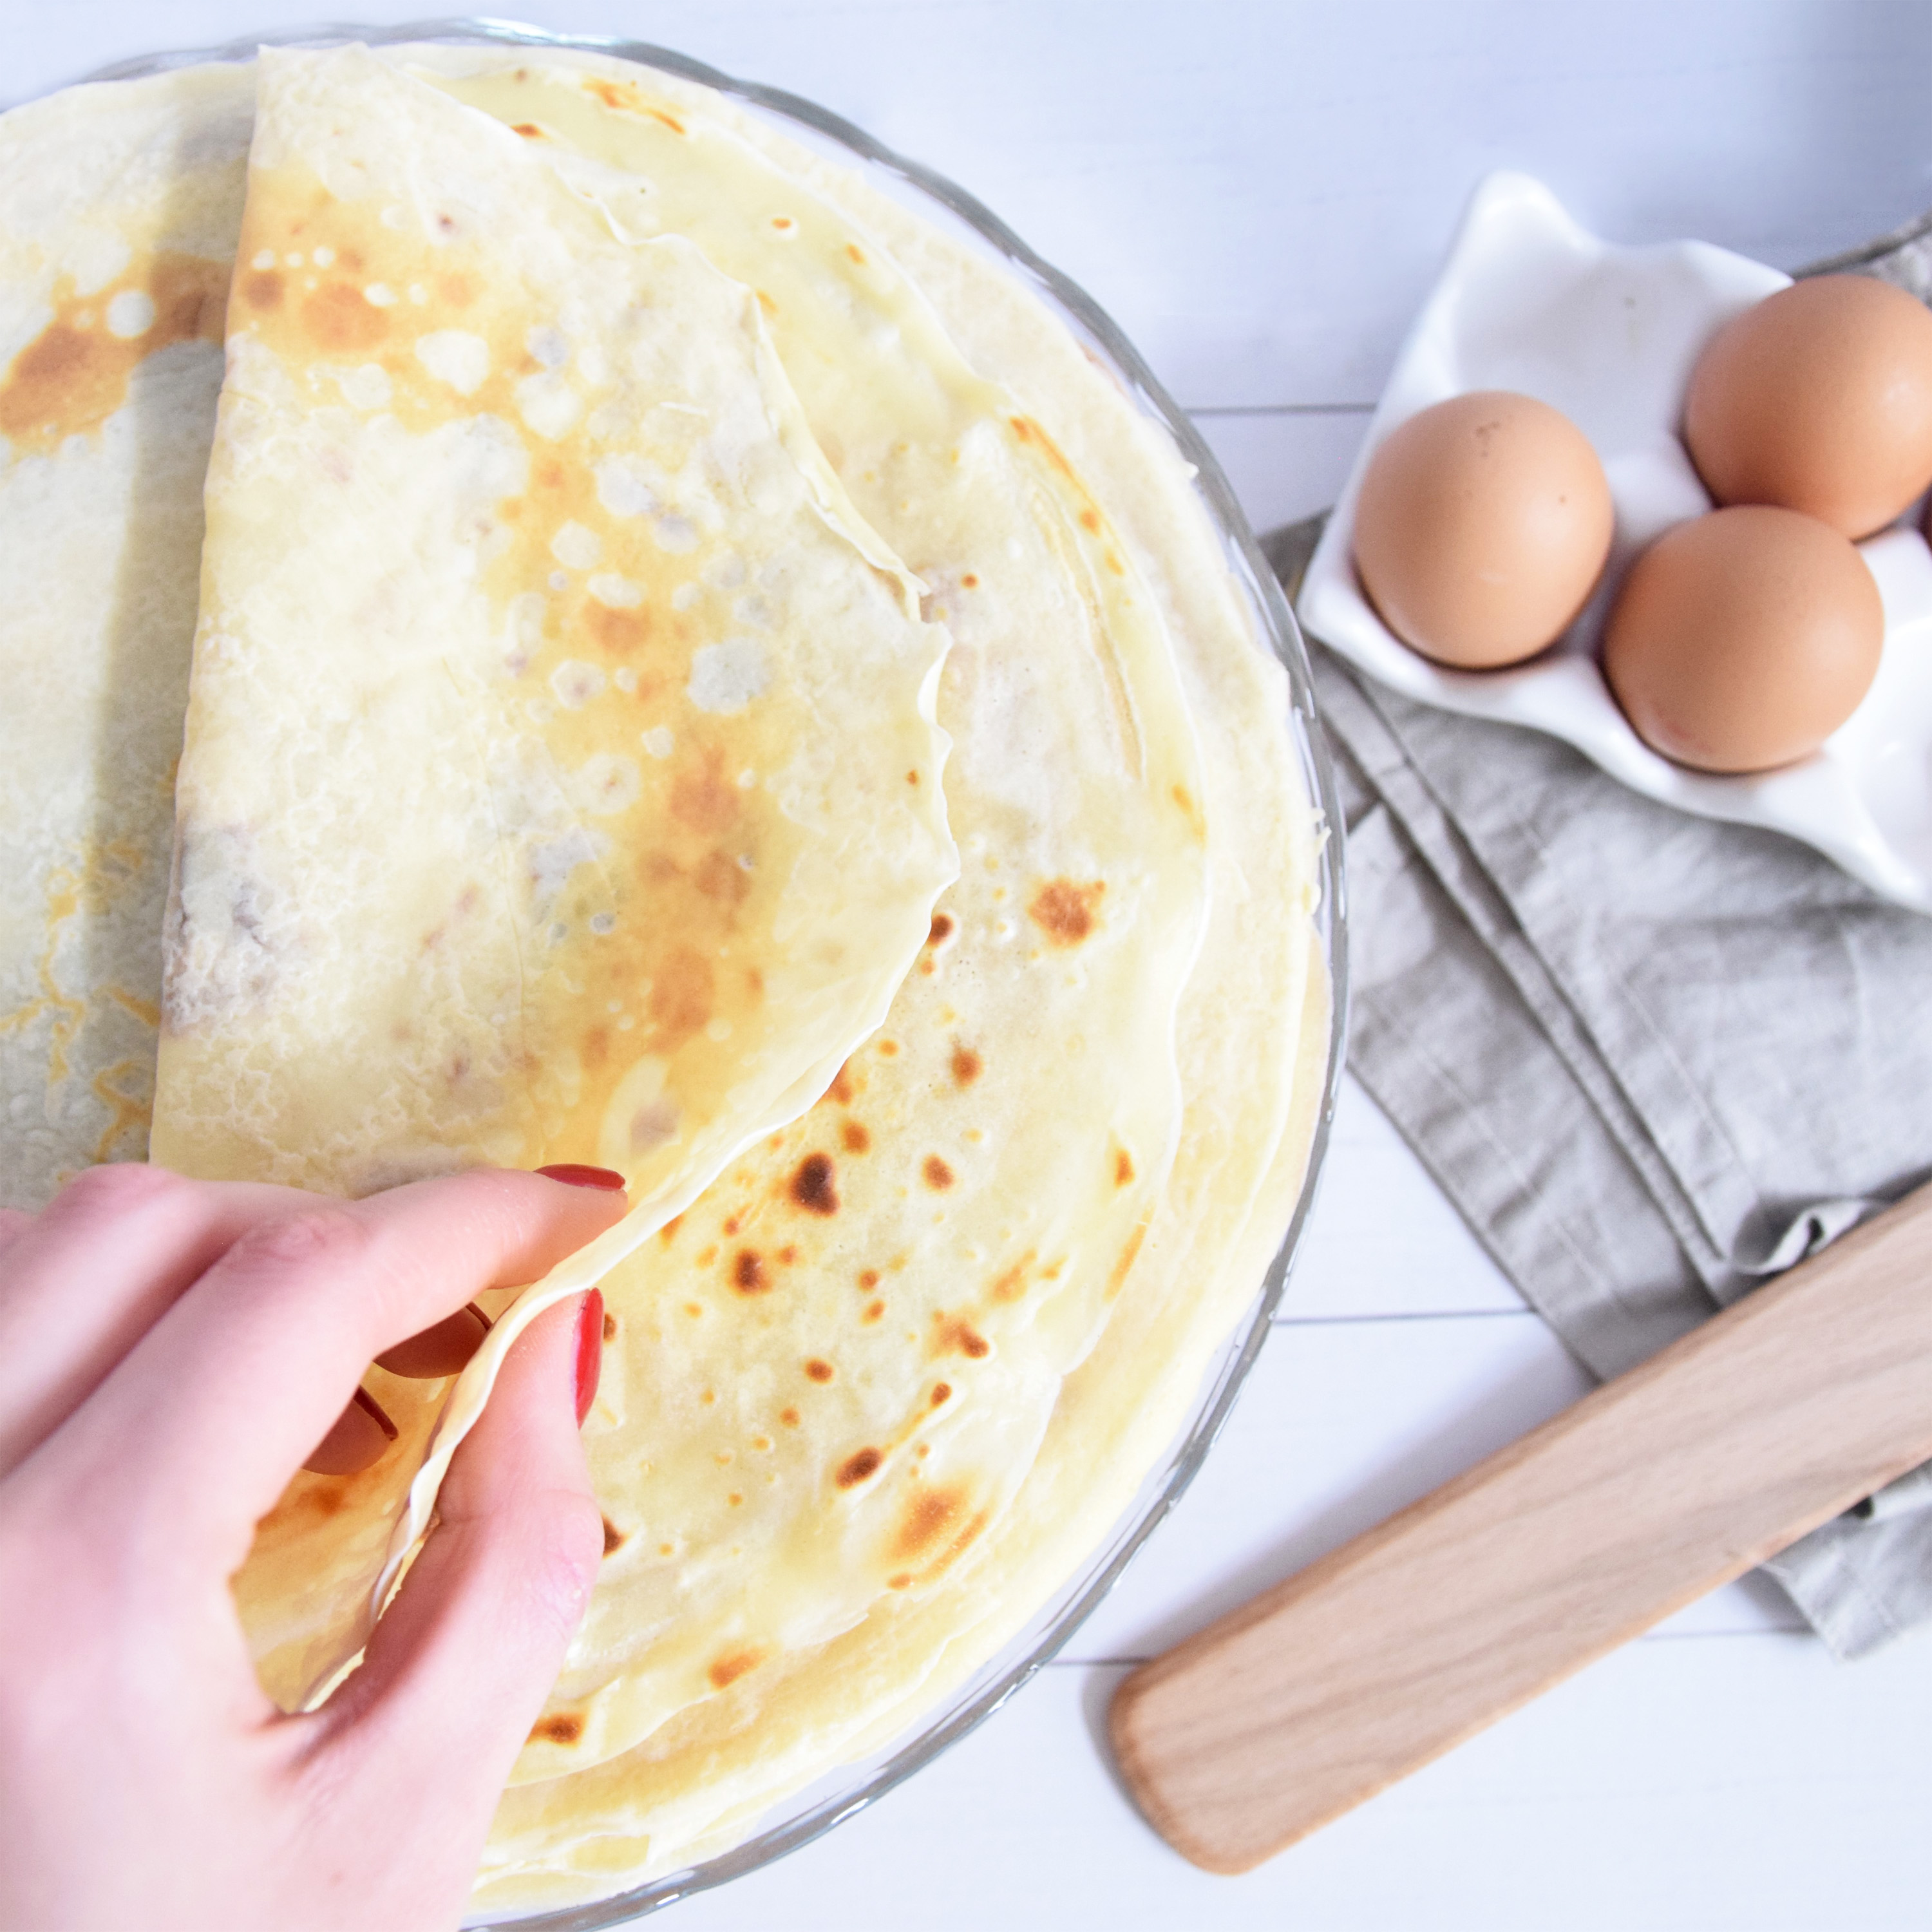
(1529, 302)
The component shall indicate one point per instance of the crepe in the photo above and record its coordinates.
(571, 789)
(118, 207)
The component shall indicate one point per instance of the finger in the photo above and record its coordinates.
(81, 1282)
(202, 1424)
(459, 1667)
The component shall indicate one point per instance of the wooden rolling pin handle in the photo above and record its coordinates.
(1756, 1427)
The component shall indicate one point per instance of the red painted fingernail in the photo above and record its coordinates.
(572, 1175)
(589, 1351)
(371, 1408)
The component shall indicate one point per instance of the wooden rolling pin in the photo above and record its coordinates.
(1769, 1420)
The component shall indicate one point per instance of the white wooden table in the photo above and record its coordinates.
(1259, 192)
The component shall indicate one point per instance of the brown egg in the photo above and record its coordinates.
(1744, 639)
(1482, 527)
(1819, 399)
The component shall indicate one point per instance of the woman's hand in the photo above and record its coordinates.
(170, 1352)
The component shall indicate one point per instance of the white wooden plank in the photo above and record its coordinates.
(1284, 465)
(1742, 1784)
(1382, 1240)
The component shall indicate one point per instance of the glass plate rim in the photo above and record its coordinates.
(1238, 1353)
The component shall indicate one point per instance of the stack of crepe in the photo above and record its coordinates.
(690, 667)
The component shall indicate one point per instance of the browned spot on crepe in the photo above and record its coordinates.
(811, 1185)
(621, 632)
(927, 1516)
(1125, 1260)
(1012, 1285)
(1183, 797)
(705, 799)
(340, 319)
(856, 1468)
(954, 1335)
(719, 876)
(932, 1531)
(681, 997)
(1066, 912)
(73, 375)
(613, 93)
(1028, 431)
(726, 1669)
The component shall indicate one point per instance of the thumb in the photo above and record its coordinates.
(459, 1667)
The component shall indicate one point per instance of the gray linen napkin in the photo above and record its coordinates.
(1652, 1059)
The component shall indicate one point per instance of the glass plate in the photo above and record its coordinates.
(851, 1787)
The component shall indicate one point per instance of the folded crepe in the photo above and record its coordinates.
(870, 1401)
(561, 780)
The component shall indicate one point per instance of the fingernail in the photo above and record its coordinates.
(572, 1175)
(356, 1440)
(589, 1352)
(440, 1350)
